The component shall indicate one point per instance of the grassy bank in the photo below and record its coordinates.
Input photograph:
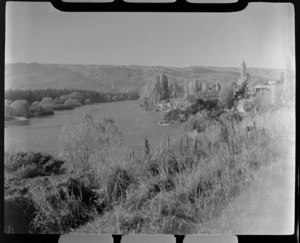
(177, 186)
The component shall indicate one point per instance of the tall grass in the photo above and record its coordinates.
(178, 185)
(188, 180)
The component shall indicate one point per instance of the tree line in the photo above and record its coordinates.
(93, 96)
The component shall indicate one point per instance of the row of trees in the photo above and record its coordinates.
(94, 96)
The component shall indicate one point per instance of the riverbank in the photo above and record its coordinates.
(42, 133)
(39, 103)
(177, 186)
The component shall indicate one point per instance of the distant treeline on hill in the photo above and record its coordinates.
(93, 96)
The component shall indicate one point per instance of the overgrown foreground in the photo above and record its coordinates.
(175, 187)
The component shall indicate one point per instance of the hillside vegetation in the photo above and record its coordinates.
(177, 186)
(113, 78)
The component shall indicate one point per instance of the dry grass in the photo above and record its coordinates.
(184, 185)
(187, 181)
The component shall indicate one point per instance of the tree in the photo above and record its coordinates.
(20, 108)
(164, 87)
(226, 96)
(243, 69)
(72, 103)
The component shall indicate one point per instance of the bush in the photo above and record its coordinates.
(40, 109)
(63, 206)
(87, 101)
(118, 182)
(78, 141)
(19, 211)
(42, 205)
(62, 107)
(85, 144)
(226, 96)
(77, 96)
(8, 111)
(72, 103)
(47, 100)
(173, 115)
(32, 164)
(20, 108)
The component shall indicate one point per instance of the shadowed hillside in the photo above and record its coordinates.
(112, 78)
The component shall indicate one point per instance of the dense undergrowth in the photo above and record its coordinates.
(175, 187)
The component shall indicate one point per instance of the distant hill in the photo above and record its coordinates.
(113, 78)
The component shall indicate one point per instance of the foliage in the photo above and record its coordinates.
(49, 206)
(185, 184)
(8, 111)
(32, 164)
(19, 211)
(146, 147)
(226, 96)
(72, 103)
(243, 69)
(182, 184)
(47, 100)
(39, 94)
(118, 182)
(157, 89)
(19, 108)
(84, 142)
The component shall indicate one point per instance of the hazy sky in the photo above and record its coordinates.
(260, 35)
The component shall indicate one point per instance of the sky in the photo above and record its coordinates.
(148, 239)
(261, 35)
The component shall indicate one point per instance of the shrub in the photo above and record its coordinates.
(85, 144)
(19, 108)
(47, 100)
(226, 96)
(77, 96)
(78, 141)
(118, 182)
(42, 205)
(62, 107)
(19, 211)
(64, 97)
(32, 164)
(173, 115)
(8, 111)
(62, 207)
(72, 103)
(87, 101)
(40, 109)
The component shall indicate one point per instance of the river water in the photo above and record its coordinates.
(42, 133)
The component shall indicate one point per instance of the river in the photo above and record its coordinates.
(42, 133)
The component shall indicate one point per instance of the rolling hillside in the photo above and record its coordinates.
(106, 78)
